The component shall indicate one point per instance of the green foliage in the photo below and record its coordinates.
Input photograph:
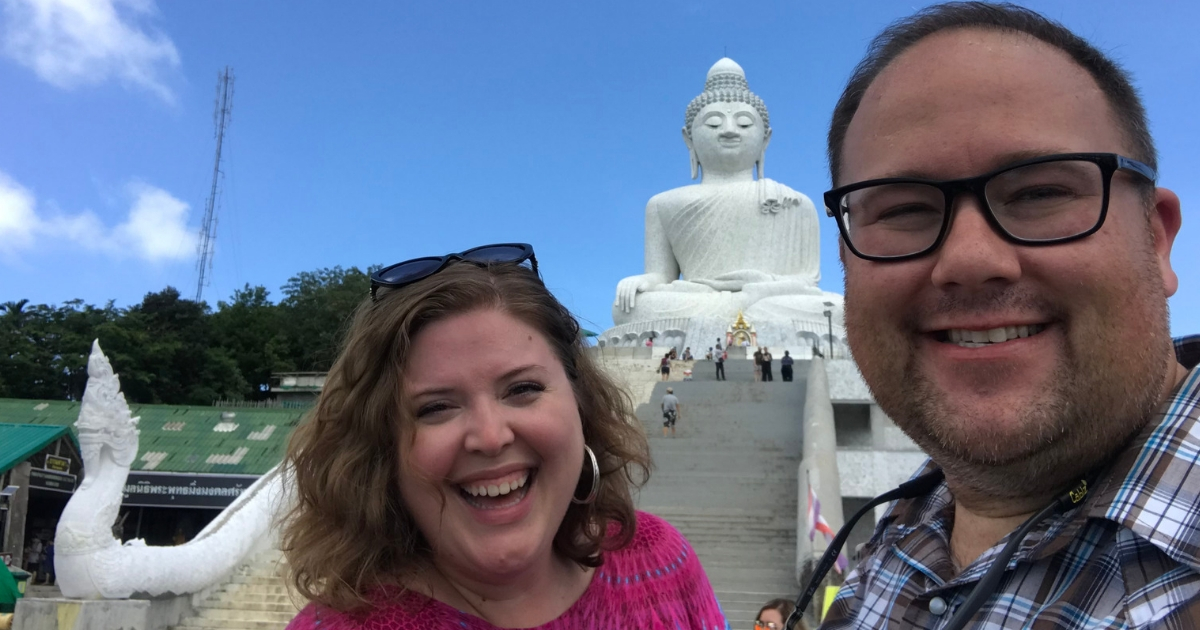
(317, 310)
(177, 351)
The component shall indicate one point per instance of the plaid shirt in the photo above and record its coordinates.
(1128, 557)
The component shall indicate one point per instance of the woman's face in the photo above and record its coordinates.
(497, 441)
(768, 617)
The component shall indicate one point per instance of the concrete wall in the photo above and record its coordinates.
(114, 614)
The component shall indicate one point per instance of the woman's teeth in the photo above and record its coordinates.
(980, 338)
(496, 490)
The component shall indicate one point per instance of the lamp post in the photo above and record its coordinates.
(829, 318)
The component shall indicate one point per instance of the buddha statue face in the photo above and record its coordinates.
(727, 138)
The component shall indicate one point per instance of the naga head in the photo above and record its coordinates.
(105, 422)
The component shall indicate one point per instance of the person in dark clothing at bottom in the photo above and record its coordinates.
(766, 366)
(719, 359)
(785, 368)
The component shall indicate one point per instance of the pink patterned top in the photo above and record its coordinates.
(654, 583)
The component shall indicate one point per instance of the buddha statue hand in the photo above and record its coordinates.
(628, 289)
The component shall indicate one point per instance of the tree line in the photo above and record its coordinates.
(171, 350)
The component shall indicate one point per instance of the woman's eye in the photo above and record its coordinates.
(430, 409)
(526, 389)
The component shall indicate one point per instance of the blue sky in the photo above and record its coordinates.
(367, 133)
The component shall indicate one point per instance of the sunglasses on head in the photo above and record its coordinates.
(405, 273)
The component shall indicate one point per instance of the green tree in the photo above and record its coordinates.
(316, 311)
(26, 370)
(164, 352)
(248, 327)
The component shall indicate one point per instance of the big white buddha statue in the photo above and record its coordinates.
(733, 243)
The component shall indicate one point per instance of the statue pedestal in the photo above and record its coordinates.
(100, 614)
(793, 323)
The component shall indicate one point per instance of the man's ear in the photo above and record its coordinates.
(1165, 220)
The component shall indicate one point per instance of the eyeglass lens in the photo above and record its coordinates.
(494, 253)
(413, 269)
(765, 625)
(1038, 202)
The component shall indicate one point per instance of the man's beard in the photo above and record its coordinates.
(1108, 379)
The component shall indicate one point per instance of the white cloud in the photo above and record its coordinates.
(69, 43)
(157, 225)
(155, 230)
(18, 222)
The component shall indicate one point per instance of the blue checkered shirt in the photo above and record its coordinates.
(1128, 557)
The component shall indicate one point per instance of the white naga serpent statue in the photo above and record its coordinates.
(92, 564)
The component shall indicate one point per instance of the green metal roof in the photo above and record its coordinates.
(19, 441)
(180, 438)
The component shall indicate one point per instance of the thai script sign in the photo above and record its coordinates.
(184, 490)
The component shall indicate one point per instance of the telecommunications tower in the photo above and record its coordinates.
(222, 116)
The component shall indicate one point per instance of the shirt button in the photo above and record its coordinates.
(937, 606)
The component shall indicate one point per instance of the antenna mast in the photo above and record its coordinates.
(222, 115)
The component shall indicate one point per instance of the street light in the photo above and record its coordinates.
(829, 318)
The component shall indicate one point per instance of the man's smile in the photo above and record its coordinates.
(967, 338)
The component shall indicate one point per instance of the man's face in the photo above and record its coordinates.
(960, 104)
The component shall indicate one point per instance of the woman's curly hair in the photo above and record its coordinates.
(349, 532)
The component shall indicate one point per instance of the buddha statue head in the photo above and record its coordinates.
(726, 128)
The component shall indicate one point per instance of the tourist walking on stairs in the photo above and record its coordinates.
(758, 364)
(670, 409)
(664, 366)
(437, 493)
(767, 374)
(785, 366)
(720, 362)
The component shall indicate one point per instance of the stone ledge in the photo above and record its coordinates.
(61, 613)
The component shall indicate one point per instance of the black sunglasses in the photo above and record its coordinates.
(410, 271)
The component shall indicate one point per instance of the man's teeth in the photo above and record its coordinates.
(495, 490)
(980, 338)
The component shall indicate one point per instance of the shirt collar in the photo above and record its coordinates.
(1153, 487)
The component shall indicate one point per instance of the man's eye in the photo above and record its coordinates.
(907, 216)
(1040, 194)
(745, 121)
(713, 121)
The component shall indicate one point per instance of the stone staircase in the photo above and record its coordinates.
(254, 598)
(727, 480)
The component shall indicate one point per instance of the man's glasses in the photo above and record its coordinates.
(1043, 201)
(410, 271)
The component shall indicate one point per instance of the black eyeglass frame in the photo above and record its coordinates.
(378, 281)
(1109, 163)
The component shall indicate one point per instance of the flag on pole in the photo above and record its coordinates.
(817, 523)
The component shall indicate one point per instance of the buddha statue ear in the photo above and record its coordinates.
(762, 157)
(687, 139)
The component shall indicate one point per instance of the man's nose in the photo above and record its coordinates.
(974, 253)
(488, 428)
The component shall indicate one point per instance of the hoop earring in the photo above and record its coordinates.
(595, 489)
